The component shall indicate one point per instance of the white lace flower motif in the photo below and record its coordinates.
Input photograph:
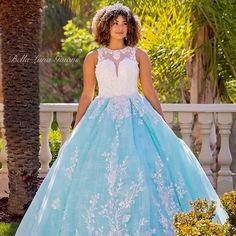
(126, 218)
(119, 107)
(56, 203)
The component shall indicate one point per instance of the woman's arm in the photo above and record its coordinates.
(89, 82)
(146, 80)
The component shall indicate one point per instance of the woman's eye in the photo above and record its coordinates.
(116, 23)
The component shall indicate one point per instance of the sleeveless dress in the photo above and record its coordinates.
(123, 171)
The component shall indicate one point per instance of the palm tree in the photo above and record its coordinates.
(20, 23)
(213, 67)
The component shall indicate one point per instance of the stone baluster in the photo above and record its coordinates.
(45, 155)
(185, 121)
(232, 145)
(64, 120)
(205, 157)
(225, 177)
(169, 115)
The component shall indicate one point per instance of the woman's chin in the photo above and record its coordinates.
(118, 37)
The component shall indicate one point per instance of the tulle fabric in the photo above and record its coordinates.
(122, 172)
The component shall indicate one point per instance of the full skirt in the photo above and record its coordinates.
(122, 172)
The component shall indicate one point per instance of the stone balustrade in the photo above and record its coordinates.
(210, 117)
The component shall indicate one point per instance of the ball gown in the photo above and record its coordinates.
(122, 171)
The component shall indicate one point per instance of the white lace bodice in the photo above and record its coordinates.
(117, 72)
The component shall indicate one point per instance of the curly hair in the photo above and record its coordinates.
(103, 19)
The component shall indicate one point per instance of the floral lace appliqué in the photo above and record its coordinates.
(73, 161)
(167, 192)
(119, 108)
(56, 203)
(116, 209)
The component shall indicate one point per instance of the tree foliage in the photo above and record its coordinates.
(169, 28)
(221, 48)
(65, 85)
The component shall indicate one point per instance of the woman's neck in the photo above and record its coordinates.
(116, 44)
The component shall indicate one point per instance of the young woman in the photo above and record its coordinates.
(122, 171)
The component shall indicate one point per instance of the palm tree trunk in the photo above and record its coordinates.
(202, 82)
(20, 23)
(202, 89)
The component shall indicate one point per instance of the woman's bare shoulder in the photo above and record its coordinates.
(92, 56)
(141, 55)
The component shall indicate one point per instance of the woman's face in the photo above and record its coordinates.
(118, 29)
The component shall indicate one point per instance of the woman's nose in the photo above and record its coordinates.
(120, 27)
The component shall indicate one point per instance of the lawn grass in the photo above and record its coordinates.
(8, 229)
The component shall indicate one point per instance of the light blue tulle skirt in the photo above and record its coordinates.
(122, 172)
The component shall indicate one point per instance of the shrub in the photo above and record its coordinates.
(199, 221)
(229, 203)
(54, 143)
(8, 229)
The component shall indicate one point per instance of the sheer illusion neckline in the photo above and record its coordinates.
(117, 58)
(117, 54)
